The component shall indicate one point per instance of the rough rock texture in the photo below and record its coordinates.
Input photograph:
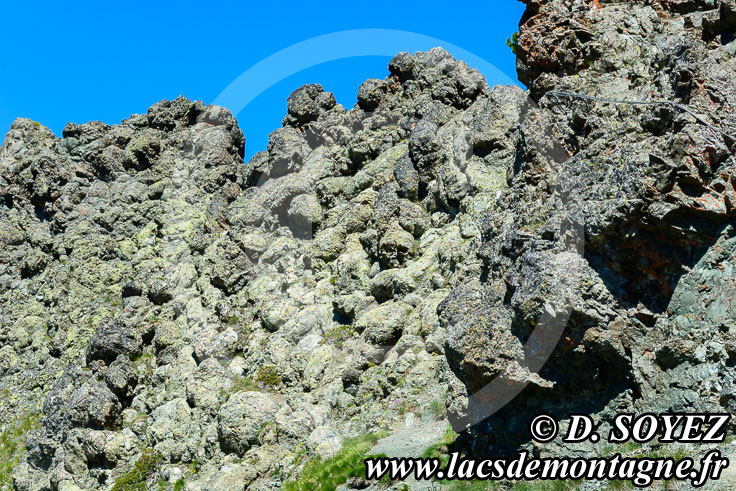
(645, 195)
(160, 298)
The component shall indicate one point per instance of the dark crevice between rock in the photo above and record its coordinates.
(342, 318)
(41, 213)
(485, 149)
(641, 263)
(8, 201)
(586, 381)
(196, 358)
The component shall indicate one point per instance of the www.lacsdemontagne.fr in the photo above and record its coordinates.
(641, 472)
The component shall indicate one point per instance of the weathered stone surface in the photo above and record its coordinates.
(160, 297)
(121, 377)
(241, 419)
(114, 339)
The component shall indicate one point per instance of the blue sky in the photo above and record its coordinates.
(105, 61)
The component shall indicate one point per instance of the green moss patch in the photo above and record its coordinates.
(137, 477)
(327, 474)
(12, 446)
(338, 335)
(268, 375)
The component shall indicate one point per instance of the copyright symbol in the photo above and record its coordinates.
(543, 428)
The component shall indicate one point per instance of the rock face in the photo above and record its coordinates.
(648, 194)
(160, 298)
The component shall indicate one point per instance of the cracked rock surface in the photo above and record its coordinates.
(375, 268)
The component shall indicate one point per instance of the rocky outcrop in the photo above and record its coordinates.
(645, 197)
(162, 299)
(169, 312)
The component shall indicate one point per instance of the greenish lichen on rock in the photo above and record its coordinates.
(187, 318)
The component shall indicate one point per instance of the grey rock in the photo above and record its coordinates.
(378, 264)
(241, 418)
(121, 377)
(93, 405)
(113, 339)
